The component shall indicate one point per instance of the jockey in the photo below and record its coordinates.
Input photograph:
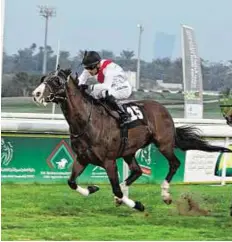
(113, 84)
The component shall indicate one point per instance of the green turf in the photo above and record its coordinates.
(54, 212)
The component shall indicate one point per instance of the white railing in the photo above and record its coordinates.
(61, 116)
(48, 123)
(32, 115)
(34, 126)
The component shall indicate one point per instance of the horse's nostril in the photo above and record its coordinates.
(38, 94)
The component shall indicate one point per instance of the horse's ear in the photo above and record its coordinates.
(68, 71)
(57, 69)
(42, 79)
(85, 53)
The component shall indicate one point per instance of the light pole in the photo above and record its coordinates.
(46, 12)
(141, 29)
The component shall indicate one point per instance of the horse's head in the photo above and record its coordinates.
(52, 87)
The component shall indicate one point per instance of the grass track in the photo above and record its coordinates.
(53, 212)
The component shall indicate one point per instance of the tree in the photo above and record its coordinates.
(21, 81)
(38, 59)
(23, 60)
(127, 55)
(33, 47)
(8, 86)
(106, 54)
(29, 60)
(175, 71)
(64, 59)
(80, 55)
(8, 63)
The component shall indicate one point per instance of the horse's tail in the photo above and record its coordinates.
(189, 138)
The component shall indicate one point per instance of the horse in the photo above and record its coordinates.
(97, 137)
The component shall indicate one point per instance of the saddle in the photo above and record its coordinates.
(136, 118)
(133, 109)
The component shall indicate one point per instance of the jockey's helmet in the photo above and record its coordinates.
(91, 59)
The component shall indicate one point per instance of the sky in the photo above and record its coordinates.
(112, 25)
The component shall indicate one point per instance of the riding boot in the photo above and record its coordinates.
(119, 108)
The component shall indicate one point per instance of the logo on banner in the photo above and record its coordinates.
(144, 156)
(99, 172)
(6, 152)
(62, 164)
(192, 95)
(61, 157)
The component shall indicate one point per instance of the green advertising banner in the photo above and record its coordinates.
(48, 158)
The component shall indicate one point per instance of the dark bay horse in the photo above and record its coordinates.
(97, 139)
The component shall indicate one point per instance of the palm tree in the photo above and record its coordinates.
(106, 54)
(80, 55)
(127, 54)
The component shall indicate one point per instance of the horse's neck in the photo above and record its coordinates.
(64, 109)
(76, 109)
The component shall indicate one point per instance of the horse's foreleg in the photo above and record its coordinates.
(112, 172)
(77, 169)
(174, 164)
(135, 173)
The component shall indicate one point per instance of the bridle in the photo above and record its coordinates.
(53, 96)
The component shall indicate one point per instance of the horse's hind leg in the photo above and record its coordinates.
(168, 151)
(77, 169)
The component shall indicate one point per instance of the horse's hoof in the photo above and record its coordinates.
(139, 206)
(93, 189)
(118, 201)
(168, 201)
(72, 184)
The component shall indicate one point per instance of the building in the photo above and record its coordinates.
(164, 45)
